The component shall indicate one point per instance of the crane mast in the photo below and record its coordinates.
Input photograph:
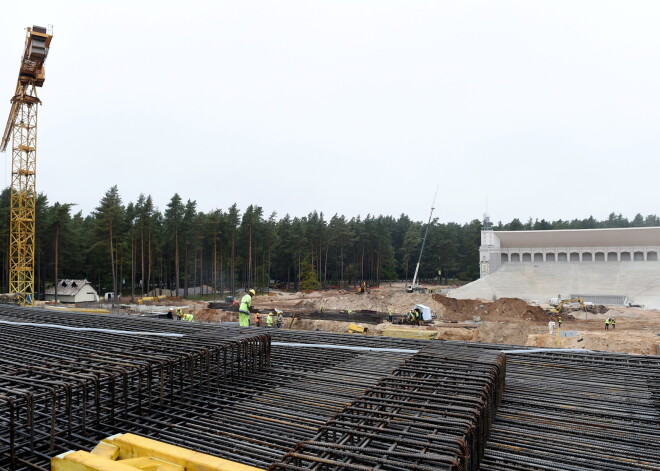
(414, 286)
(22, 128)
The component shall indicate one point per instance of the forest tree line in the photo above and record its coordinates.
(135, 248)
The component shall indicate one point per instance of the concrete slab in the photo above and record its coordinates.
(542, 281)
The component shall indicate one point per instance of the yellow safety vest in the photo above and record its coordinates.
(246, 302)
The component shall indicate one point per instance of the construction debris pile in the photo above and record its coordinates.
(311, 400)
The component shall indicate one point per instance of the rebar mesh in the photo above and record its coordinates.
(338, 402)
(58, 386)
(432, 412)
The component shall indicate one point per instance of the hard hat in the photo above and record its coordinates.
(253, 292)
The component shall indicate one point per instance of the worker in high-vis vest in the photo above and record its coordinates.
(179, 314)
(188, 317)
(413, 316)
(269, 320)
(244, 309)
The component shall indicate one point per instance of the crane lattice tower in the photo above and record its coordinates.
(22, 127)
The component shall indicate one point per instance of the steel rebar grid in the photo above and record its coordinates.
(58, 385)
(242, 421)
(256, 419)
(589, 411)
(76, 319)
(433, 412)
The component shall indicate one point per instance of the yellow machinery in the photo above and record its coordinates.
(410, 332)
(560, 306)
(150, 299)
(356, 329)
(22, 127)
(128, 452)
(78, 309)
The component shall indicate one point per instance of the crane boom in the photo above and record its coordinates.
(414, 286)
(22, 128)
(37, 44)
(9, 127)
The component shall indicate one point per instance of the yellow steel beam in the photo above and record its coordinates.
(93, 310)
(106, 450)
(129, 452)
(355, 328)
(410, 332)
(85, 461)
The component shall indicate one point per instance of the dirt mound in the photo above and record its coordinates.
(215, 315)
(598, 309)
(502, 309)
(448, 309)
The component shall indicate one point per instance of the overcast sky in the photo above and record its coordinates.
(549, 109)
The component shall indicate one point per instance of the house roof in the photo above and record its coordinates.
(68, 287)
(615, 237)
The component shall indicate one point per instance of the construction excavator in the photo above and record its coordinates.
(559, 308)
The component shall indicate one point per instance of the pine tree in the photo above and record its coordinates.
(309, 277)
(108, 227)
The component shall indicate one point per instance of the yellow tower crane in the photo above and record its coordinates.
(22, 127)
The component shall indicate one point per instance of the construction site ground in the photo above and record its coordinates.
(505, 321)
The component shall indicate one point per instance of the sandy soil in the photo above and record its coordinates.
(508, 321)
(636, 332)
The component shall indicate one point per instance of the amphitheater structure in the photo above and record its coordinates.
(607, 266)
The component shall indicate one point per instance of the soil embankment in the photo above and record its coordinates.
(504, 309)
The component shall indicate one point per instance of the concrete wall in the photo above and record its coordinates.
(493, 256)
(639, 281)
